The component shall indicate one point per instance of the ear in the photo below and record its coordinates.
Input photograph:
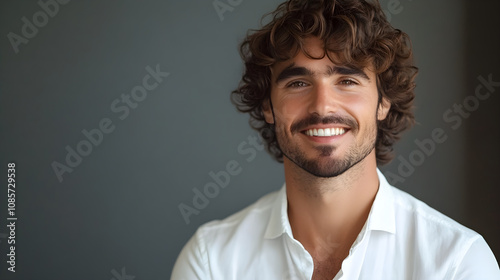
(383, 109)
(268, 113)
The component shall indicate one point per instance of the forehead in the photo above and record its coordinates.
(313, 57)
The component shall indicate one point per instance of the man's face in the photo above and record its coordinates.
(325, 113)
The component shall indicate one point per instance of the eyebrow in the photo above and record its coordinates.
(292, 71)
(347, 71)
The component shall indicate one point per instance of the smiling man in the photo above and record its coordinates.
(329, 85)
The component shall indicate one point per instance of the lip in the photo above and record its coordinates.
(324, 139)
(323, 126)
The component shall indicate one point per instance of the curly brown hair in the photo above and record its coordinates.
(355, 33)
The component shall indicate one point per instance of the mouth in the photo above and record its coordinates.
(325, 132)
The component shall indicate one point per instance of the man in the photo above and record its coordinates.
(329, 84)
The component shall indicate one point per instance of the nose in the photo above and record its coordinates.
(323, 100)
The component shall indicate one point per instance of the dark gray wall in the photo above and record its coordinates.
(483, 135)
(117, 212)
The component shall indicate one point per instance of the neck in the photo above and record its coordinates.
(330, 212)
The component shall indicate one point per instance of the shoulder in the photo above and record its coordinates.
(240, 230)
(412, 211)
(438, 243)
(220, 239)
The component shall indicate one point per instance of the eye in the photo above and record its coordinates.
(297, 84)
(348, 82)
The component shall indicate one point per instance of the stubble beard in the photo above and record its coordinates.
(323, 165)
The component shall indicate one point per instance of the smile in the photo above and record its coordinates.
(327, 132)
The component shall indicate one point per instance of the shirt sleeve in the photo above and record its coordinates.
(192, 262)
(478, 263)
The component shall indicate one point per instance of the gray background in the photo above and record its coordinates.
(119, 207)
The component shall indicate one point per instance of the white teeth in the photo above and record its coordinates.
(325, 132)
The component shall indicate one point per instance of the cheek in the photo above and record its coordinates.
(359, 107)
(289, 110)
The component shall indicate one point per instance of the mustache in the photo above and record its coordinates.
(316, 119)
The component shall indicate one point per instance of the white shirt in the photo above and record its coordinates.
(403, 238)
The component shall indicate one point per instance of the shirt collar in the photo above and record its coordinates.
(381, 217)
(278, 222)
